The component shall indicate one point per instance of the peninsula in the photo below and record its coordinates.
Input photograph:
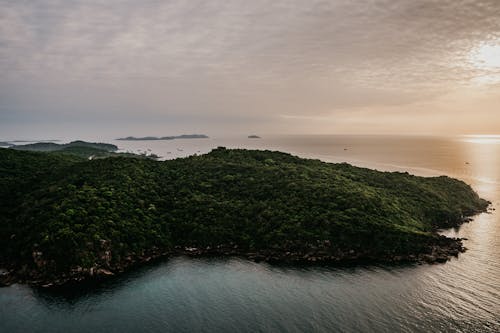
(81, 149)
(66, 218)
(51, 146)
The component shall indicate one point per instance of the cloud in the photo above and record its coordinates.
(123, 58)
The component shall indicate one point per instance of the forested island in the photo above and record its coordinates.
(51, 146)
(66, 218)
(146, 138)
(80, 148)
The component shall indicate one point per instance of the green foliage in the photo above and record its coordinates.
(51, 146)
(82, 149)
(72, 209)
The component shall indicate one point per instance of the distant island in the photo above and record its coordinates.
(80, 148)
(16, 141)
(254, 137)
(51, 146)
(67, 219)
(147, 138)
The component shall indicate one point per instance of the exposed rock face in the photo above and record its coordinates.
(104, 272)
(38, 259)
(105, 252)
(315, 254)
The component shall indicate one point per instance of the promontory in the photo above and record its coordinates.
(67, 218)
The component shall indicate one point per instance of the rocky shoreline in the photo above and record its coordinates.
(320, 254)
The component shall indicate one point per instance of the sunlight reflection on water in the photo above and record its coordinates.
(482, 139)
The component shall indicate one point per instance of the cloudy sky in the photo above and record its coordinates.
(151, 67)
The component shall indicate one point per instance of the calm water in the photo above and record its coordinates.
(232, 295)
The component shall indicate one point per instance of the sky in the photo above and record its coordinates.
(86, 68)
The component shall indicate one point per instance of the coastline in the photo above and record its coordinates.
(321, 254)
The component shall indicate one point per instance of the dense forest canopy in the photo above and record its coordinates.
(62, 213)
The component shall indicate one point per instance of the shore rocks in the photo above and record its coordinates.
(38, 259)
(104, 272)
(322, 253)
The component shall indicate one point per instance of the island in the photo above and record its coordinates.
(90, 150)
(70, 219)
(254, 137)
(150, 138)
(51, 146)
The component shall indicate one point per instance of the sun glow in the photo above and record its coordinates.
(487, 56)
(485, 60)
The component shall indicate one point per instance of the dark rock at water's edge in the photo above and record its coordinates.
(254, 137)
(320, 254)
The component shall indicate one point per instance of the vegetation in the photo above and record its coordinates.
(82, 149)
(63, 215)
(51, 146)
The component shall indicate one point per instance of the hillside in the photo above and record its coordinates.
(90, 150)
(51, 146)
(69, 218)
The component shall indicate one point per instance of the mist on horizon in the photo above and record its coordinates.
(90, 69)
